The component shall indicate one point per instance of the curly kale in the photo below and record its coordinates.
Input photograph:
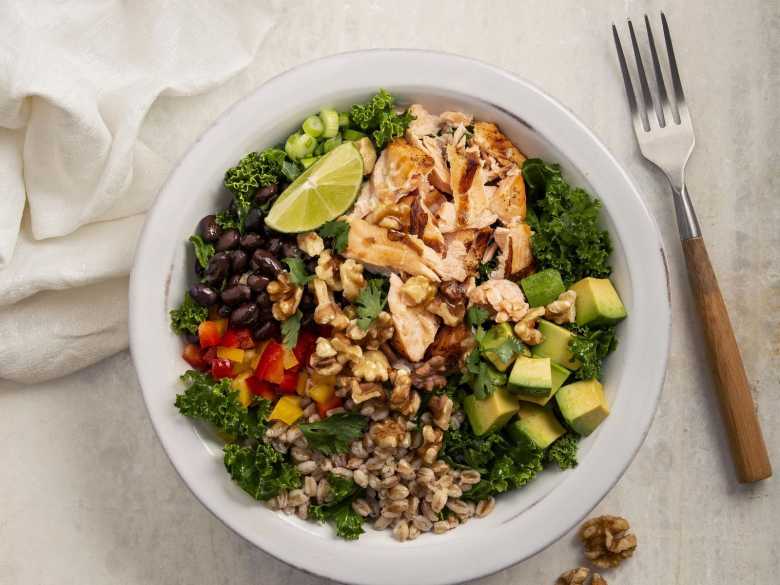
(338, 511)
(564, 219)
(378, 117)
(214, 401)
(203, 250)
(188, 316)
(255, 170)
(589, 346)
(261, 471)
(563, 451)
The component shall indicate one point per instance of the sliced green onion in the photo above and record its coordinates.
(308, 161)
(330, 118)
(331, 143)
(343, 119)
(352, 135)
(313, 126)
(319, 150)
(308, 143)
(290, 170)
(299, 146)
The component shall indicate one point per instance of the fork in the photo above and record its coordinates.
(665, 135)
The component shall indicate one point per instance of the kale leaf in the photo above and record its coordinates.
(371, 301)
(261, 471)
(564, 219)
(290, 329)
(589, 346)
(227, 220)
(338, 233)
(563, 451)
(188, 316)
(255, 170)
(334, 434)
(298, 274)
(338, 510)
(203, 251)
(378, 117)
(214, 401)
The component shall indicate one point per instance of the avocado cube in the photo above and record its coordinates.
(531, 377)
(559, 376)
(597, 302)
(536, 424)
(583, 405)
(555, 345)
(542, 288)
(497, 336)
(490, 414)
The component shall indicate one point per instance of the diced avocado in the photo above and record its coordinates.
(597, 302)
(531, 377)
(497, 336)
(542, 288)
(559, 376)
(490, 414)
(537, 424)
(555, 345)
(583, 405)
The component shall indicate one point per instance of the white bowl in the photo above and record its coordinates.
(524, 522)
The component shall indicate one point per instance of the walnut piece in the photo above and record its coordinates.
(417, 290)
(327, 311)
(563, 309)
(402, 398)
(361, 392)
(328, 270)
(432, 443)
(441, 409)
(352, 280)
(526, 329)
(372, 367)
(503, 296)
(388, 434)
(451, 315)
(380, 331)
(311, 243)
(607, 541)
(579, 576)
(429, 374)
(285, 295)
(332, 355)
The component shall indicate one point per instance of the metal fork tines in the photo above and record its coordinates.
(663, 127)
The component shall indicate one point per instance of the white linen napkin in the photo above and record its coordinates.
(77, 80)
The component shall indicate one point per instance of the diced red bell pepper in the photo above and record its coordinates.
(245, 340)
(221, 368)
(191, 355)
(209, 334)
(307, 341)
(271, 365)
(261, 388)
(208, 356)
(230, 339)
(324, 407)
(289, 383)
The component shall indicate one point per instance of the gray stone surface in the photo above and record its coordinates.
(88, 496)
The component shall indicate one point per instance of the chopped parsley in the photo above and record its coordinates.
(371, 301)
(337, 232)
(203, 250)
(334, 434)
(298, 274)
(290, 329)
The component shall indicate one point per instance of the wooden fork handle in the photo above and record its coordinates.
(736, 403)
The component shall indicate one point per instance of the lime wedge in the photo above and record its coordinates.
(321, 193)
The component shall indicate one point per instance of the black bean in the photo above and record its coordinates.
(225, 310)
(265, 313)
(265, 193)
(263, 300)
(311, 265)
(245, 315)
(307, 319)
(238, 261)
(266, 263)
(254, 220)
(203, 295)
(251, 241)
(232, 281)
(275, 246)
(257, 283)
(209, 228)
(267, 330)
(308, 302)
(237, 294)
(218, 267)
(191, 338)
(228, 240)
(198, 268)
(290, 250)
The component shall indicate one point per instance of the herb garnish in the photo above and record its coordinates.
(371, 301)
(334, 434)
(338, 232)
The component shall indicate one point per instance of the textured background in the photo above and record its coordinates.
(88, 496)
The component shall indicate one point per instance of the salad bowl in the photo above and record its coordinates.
(524, 521)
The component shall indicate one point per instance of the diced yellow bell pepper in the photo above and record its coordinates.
(233, 354)
(222, 325)
(288, 409)
(244, 394)
(246, 363)
(259, 349)
(289, 360)
(302, 381)
(320, 379)
(321, 393)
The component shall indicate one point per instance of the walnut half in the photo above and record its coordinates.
(579, 576)
(607, 541)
